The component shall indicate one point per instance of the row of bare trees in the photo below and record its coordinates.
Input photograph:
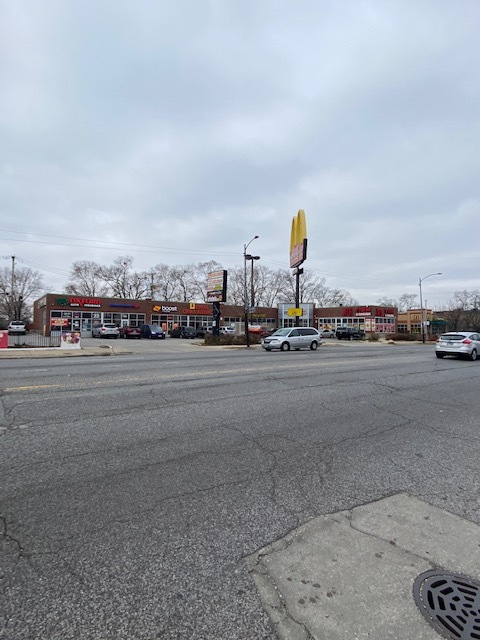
(463, 312)
(405, 301)
(188, 283)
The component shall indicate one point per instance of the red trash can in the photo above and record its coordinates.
(3, 339)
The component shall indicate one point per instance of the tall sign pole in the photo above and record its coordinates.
(298, 254)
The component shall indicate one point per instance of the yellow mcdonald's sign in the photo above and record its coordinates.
(298, 239)
(293, 311)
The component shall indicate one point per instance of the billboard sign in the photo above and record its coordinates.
(298, 240)
(217, 286)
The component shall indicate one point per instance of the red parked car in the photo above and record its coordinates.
(130, 332)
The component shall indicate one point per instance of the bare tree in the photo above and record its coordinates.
(165, 285)
(268, 285)
(86, 280)
(184, 283)
(16, 304)
(462, 299)
(407, 301)
(123, 282)
(388, 302)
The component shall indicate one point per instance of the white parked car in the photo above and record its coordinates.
(328, 333)
(106, 330)
(227, 330)
(17, 326)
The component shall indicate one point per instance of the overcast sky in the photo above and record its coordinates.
(176, 131)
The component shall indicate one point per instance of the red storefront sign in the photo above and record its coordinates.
(357, 311)
(85, 302)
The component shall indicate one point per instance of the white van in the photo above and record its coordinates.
(293, 338)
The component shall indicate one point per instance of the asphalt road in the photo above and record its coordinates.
(132, 487)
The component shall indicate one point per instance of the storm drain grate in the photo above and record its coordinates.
(450, 602)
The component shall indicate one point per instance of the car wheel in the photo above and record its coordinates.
(267, 349)
(314, 346)
(285, 346)
(93, 335)
(439, 355)
(473, 355)
(338, 338)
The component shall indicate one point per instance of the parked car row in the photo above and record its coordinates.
(110, 330)
(151, 331)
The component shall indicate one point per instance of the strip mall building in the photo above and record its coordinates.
(76, 313)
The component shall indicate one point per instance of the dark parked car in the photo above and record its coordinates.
(201, 331)
(184, 332)
(130, 332)
(153, 331)
(350, 333)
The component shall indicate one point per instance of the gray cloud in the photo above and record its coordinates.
(194, 125)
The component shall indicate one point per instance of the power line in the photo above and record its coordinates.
(124, 245)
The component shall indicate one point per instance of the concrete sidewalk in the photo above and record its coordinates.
(57, 352)
(350, 575)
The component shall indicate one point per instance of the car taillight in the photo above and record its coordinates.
(466, 341)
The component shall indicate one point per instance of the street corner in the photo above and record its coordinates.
(353, 574)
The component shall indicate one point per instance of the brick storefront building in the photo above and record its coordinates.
(80, 313)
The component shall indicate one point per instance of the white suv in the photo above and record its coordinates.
(106, 330)
(17, 326)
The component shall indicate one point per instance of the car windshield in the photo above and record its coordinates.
(281, 332)
(110, 326)
(155, 327)
(453, 336)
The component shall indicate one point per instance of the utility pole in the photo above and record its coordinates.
(245, 289)
(420, 280)
(12, 294)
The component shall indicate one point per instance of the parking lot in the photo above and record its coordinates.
(130, 345)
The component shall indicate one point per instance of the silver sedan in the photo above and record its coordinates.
(464, 344)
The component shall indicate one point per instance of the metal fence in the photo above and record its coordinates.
(33, 340)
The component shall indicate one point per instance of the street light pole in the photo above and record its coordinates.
(420, 280)
(245, 290)
(252, 289)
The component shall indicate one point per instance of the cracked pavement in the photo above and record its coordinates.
(133, 488)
